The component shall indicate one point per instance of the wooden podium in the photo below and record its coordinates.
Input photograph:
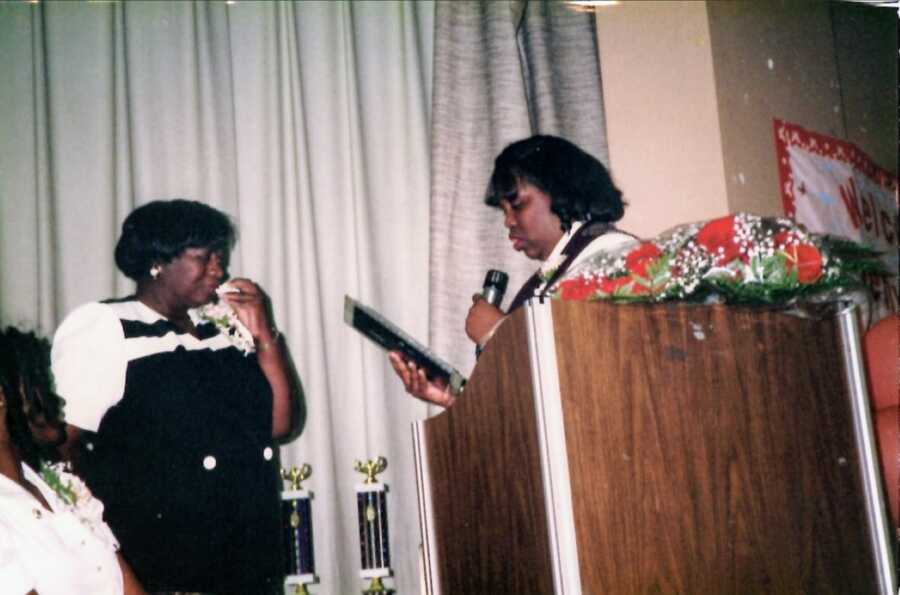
(602, 448)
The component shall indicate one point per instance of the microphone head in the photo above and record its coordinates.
(494, 287)
(496, 279)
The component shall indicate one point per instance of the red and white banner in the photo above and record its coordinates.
(832, 187)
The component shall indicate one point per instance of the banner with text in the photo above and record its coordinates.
(832, 187)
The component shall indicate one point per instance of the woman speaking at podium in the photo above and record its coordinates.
(560, 205)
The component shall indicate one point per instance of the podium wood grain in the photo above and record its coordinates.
(716, 453)
(488, 499)
(710, 451)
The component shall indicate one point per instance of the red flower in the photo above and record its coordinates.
(717, 237)
(784, 238)
(804, 257)
(579, 288)
(641, 257)
(609, 286)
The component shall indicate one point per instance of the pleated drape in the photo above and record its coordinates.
(308, 123)
(502, 71)
(312, 124)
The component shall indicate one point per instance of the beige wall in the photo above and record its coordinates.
(691, 89)
(661, 113)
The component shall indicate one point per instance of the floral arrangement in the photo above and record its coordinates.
(77, 499)
(739, 259)
(226, 320)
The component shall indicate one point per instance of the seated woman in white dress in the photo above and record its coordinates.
(53, 540)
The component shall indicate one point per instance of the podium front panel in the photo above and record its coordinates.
(708, 449)
(715, 454)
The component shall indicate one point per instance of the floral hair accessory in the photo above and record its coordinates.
(738, 259)
(226, 320)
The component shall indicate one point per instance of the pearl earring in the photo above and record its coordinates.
(155, 270)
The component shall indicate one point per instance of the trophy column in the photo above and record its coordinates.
(296, 514)
(371, 506)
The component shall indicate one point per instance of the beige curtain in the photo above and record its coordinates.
(502, 71)
(308, 122)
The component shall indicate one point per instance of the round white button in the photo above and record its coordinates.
(267, 453)
(209, 462)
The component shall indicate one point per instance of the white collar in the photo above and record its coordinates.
(552, 262)
(13, 492)
(150, 315)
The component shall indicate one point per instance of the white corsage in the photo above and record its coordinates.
(548, 268)
(76, 498)
(226, 320)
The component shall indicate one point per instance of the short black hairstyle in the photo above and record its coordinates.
(25, 377)
(160, 231)
(579, 186)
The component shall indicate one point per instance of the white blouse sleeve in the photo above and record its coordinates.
(88, 361)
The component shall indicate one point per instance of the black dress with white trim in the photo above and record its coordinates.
(182, 457)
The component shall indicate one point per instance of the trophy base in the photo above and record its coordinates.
(299, 582)
(376, 586)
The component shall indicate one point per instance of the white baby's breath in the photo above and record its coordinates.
(548, 268)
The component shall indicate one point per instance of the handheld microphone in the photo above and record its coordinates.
(493, 289)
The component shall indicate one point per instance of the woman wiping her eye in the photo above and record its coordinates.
(175, 407)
